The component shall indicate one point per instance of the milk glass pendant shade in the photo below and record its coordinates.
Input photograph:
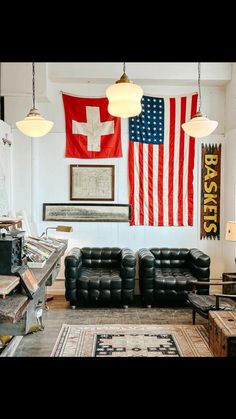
(199, 125)
(124, 97)
(34, 125)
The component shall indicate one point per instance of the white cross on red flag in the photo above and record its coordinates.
(91, 132)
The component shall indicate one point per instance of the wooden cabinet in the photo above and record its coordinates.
(222, 333)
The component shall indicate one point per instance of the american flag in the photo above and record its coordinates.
(161, 162)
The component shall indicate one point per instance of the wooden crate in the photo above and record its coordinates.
(222, 333)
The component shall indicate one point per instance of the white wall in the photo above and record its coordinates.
(5, 169)
(41, 173)
(230, 169)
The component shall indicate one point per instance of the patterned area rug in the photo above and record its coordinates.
(131, 341)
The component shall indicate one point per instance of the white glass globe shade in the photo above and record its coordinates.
(199, 126)
(34, 126)
(124, 99)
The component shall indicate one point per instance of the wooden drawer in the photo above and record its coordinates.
(222, 333)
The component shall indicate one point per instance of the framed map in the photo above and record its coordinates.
(92, 182)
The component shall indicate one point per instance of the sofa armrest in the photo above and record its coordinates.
(73, 257)
(199, 263)
(128, 258)
(73, 265)
(146, 258)
(127, 267)
(146, 264)
(199, 258)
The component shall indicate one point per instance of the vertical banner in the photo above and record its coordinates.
(210, 191)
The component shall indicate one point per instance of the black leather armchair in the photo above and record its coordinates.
(100, 275)
(165, 274)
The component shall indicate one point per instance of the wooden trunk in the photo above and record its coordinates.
(222, 333)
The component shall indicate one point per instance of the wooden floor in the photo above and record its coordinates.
(40, 344)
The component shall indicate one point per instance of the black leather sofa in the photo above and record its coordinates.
(165, 274)
(100, 275)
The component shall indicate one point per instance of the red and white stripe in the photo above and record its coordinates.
(161, 176)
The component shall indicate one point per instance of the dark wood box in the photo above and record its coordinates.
(11, 255)
(229, 276)
(222, 333)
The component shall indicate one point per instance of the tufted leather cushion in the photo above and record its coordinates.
(165, 274)
(165, 257)
(105, 257)
(100, 275)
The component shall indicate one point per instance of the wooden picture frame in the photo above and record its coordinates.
(86, 212)
(92, 182)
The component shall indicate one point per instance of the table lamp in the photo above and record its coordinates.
(65, 229)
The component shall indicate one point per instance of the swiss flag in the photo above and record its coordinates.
(91, 132)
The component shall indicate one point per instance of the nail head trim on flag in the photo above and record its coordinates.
(161, 162)
(91, 132)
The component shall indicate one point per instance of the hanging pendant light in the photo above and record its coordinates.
(199, 125)
(34, 125)
(124, 97)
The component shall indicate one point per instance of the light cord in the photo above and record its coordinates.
(199, 87)
(33, 84)
(0, 90)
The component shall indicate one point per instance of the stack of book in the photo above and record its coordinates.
(37, 253)
(50, 242)
(38, 250)
(34, 260)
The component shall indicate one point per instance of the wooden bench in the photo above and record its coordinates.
(20, 315)
(7, 284)
(12, 308)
